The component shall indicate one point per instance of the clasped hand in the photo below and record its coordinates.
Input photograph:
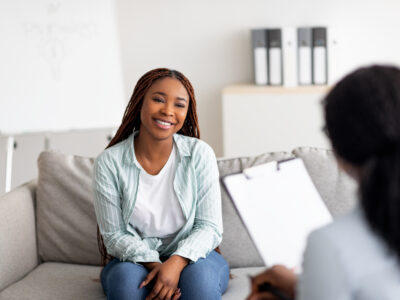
(166, 278)
(278, 276)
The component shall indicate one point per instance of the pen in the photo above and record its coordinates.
(267, 287)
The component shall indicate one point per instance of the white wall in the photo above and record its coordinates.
(209, 41)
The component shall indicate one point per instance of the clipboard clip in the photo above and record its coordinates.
(261, 169)
(278, 163)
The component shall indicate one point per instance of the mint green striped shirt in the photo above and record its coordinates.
(196, 184)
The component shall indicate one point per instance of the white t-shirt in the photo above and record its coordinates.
(157, 211)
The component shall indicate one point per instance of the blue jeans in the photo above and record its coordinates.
(206, 279)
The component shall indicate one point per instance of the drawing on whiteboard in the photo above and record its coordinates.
(55, 39)
(53, 6)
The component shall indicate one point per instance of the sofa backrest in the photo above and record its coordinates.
(336, 188)
(66, 222)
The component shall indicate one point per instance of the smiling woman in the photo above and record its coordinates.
(164, 110)
(157, 199)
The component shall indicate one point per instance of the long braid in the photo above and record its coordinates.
(131, 121)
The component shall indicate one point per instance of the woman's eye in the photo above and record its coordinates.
(158, 100)
(180, 105)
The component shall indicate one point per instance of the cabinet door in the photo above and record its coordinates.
(258, 123)
(88, 143)
(27, 148)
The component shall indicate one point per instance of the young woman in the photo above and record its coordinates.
(157, 199)
(357, 256)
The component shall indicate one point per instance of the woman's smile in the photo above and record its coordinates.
(163, 124)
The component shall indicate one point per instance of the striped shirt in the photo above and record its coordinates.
(196, 184)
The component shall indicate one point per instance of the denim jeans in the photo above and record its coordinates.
(206, 279)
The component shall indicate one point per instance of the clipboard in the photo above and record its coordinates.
(280, 206)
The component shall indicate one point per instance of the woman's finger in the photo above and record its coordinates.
(176, 295)
(170, 294)
(149, 278)
(154, 292)
(266, 276)
(162, 295)
(262, 296)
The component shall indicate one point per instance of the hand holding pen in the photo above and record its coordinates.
(275, 283)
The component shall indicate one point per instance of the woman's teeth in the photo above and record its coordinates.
(163, 123)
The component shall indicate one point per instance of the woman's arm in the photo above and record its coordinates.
(206, 233)
(107, 203)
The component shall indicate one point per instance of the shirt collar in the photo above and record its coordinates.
(180, 142)
(182, 145)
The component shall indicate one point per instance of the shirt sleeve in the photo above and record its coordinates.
(107, 203)
(206, 233)
(324, 273)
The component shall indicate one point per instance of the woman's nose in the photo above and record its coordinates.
(167, 110)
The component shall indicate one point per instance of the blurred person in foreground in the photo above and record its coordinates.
(357, 256)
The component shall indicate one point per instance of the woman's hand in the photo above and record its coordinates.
(151, 265)
(278, 276)
(167, 277)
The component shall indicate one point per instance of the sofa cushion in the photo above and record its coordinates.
(237, 247)
(59, 281)
(239, 285)
(66, 222)
(336, 188)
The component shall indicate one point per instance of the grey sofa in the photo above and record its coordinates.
(48, 246)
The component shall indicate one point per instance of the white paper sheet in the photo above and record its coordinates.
(279, 208)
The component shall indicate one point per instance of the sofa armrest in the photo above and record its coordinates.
(18, 246)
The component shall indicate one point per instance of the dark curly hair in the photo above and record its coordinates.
(362, 115)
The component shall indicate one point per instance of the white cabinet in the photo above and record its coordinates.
(259, 119)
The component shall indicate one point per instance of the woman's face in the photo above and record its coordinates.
(164, 108)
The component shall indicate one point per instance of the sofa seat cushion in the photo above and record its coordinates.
(62, 281)
(59, 281)
(239, 285)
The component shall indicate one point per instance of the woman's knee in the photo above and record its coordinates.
(200, 286)
(123, 279)
(206, 279)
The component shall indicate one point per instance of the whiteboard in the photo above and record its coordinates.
(60, 65)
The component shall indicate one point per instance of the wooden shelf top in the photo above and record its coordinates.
(264, 89)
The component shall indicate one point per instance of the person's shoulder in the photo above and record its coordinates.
(351, 238)
(194, 146)
(112, 154)
(340, 231)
